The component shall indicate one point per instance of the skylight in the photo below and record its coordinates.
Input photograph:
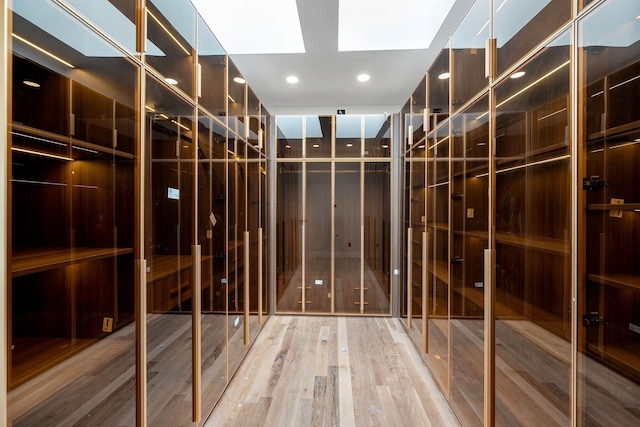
(254, 26)
(373, 25)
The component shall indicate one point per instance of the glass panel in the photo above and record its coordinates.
(347, 220)
(72, 223)
(171, 26)
(237, 205)
(377, 133)
(318, 239)
(417, 221)
(170, 231)
(289, 136)
(415, 118)
(348, 136)
(468, 52)
(609, 292)
(438, 88)
(289, 237)
(212, 59)
(318, 136)
(519, 26)
(254, 181)
(533, 223)
(377, 225)
(438, 264)
(236, 101)
(469, 239)
(211, 236)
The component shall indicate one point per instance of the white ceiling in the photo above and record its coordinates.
(328, 76)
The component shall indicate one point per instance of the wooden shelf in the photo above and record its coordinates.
(545, 244)
(17, 127)
(624, 281)
(38, 260)
(610, 207)
(440, 270)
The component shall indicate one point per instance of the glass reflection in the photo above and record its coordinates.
(170, 233)
(289, 237)
(377, 136)
(212, 61)
(608, 294)
(533, 239)
(469, 239)
(171, 25)
(72, 251)
(439, 76)
(289, 136)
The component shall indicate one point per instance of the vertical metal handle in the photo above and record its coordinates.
(425, 293)
(141, 26)
(141, 340)
(362, 287)
(489, 337)
(196, 340)
(260, 267)
(409, 276)
(246, 288)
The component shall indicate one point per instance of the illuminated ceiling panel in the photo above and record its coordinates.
(379, 25)
(254, 26)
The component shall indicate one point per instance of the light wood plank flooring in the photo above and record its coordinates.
(332, 371)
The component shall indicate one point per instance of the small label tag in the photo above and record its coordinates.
(479, 284)
(318, 282)
(107, 324)
(616, 213)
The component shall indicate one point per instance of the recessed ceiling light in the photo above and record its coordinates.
(444, 76)
(364, 77)
(517, 74)
(171, 81)
(316, 145)
(31, 83)
(292, 80)
(239, 80)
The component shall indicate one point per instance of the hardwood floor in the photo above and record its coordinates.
(332, 371)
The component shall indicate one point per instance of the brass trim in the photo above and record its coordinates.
(141, 26)
(425, 293)
(141, 341)
(259, 272)
(247, 335)
(196, 337)
(409, 274)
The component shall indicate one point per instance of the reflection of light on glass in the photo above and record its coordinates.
(483, 27)
(166, 30)
(316, 145)
(597, 94)
(444, 76)
(550, 73)
(626, 144)
(39, 49)
(88, 150)
(288, 146)
(231, 99)
(552, 114)
(349, 145)
(439, 142)
(385, 146)
(597, 150)
(180, 125)
(171, 81)
(439, 185)
(624, 82)
(31, 83)
(526, 165)
(149, 108)
(500, 7)
(37, 138)
(239, 80)
(40, 153)
(517, 74)
(27, 181)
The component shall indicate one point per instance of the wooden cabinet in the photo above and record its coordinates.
(71, 219)
(610, 315)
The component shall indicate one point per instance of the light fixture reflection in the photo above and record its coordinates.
(169, 33)
(31, 83)
(239, 80)
(444, 76)
(171, 81)
(517, 74)
(39, 49)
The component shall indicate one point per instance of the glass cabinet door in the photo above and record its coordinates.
(469, 239)
(170, 235)
(609, 280)
(438, 263)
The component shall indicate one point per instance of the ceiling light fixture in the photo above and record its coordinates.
(239, 80)
(166, 30)
(444, 76)
(171, 81)
(292, 80)
(364, 77)
(39, 49)
(31, 83)
(517, 74)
